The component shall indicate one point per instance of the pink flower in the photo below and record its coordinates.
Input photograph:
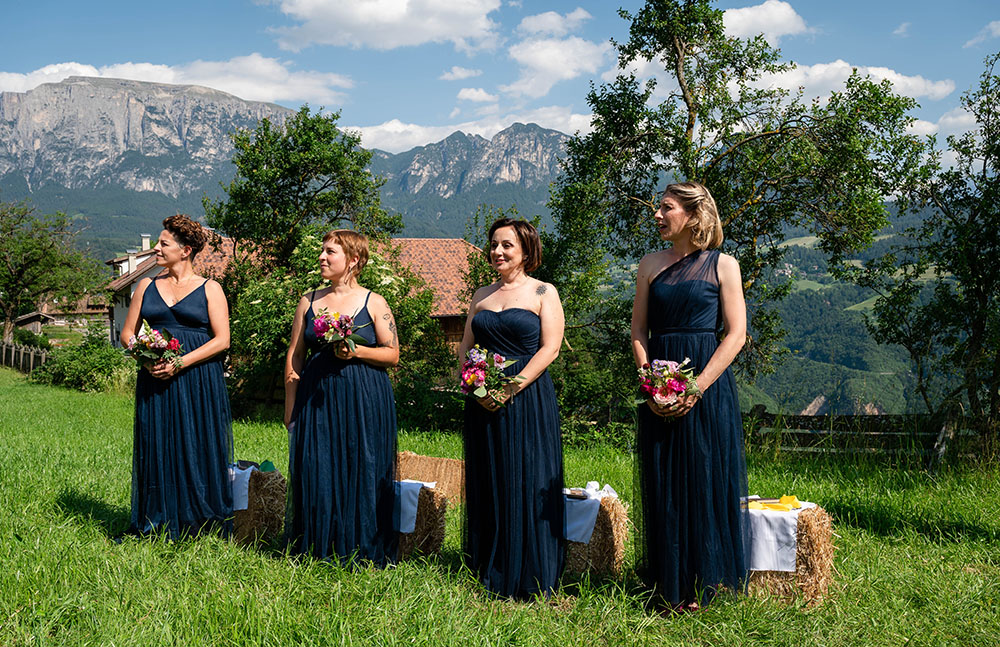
(173, 344)
(675, 386)
(664, 396)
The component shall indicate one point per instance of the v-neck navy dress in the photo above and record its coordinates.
(514, 470)
(342, 456)
(691, 469)
(183, 439)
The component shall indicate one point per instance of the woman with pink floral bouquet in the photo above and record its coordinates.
(513, 457)
(341, 414)
(691, 470)
(183, 439)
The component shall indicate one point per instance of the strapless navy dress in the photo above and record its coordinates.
(342, 458)
(183, 439)
(691, 470)
(514, 471)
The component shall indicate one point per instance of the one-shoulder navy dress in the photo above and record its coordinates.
(342, 458)
(691, 469)
(183, 438)
(514, 470)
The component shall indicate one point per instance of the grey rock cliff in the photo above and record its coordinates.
(90, 132)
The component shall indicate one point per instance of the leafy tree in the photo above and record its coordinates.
(38, 260)
(289, 176)
(771, 159)
(939, 286)
(294, 181)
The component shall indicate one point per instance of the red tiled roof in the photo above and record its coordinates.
(442, 262)
(143, 253)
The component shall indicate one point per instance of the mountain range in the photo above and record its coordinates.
(124, 154)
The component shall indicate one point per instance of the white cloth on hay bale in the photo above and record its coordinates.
(407, 497)
(581, 514)
(773, 543)
(240, 481)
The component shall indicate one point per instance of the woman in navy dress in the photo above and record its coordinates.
(513, 454)
(691, 467)
(341, 416)
(183, 439)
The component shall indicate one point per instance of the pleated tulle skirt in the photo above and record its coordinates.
(691, 474)
(182, 447)
(342, 463)
(513, 492)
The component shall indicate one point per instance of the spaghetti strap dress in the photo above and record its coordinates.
(182, 438)
(342, 458)
(691, 470)
(514, 525)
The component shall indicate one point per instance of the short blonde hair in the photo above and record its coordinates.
(694, 198)
(353, 244)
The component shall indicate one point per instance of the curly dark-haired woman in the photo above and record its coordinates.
(183, 439)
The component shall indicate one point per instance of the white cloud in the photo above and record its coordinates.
(773, 18)
(551, 23)
(991, 30)
(478, 95)
(388, 24)
(903, 30)
(457, 73)
(821, 79)
(956, 121)
(253, 77)
(544, 62)
(455, 112)
(396, 136)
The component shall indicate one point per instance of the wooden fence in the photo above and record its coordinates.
(21, 358)
(882, 434)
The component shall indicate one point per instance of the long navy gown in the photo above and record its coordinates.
(183, 438)
(342, 458)
(691, 469)
(514, 471)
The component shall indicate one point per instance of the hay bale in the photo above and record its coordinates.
(428, 533)
(448, 473)
(813, 562)
(605, 554)
(264, 517)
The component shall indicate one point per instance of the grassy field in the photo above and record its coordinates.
(918, 558)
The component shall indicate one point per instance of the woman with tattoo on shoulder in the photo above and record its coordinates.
(341, 416)
(513, 457)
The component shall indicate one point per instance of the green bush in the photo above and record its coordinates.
(25, 337)
(89, 366)
(263, 304)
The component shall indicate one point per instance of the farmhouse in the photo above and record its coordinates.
(441, 262)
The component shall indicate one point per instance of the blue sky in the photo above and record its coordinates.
(409, 72)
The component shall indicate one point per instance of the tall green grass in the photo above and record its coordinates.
(918, 557)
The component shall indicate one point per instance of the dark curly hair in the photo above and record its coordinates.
(186, 232)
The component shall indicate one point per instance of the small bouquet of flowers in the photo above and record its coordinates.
(332, 328)
(664, 381)
(482, 373)
(151, 346)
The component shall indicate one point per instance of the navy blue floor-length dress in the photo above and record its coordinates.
(183, 439)
(691, 469)
(342, 458)
(514, 471)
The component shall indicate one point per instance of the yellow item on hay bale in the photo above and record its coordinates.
(448, 473)
(428, 534)
(605, 554)
(813, 562)
(264, 517)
